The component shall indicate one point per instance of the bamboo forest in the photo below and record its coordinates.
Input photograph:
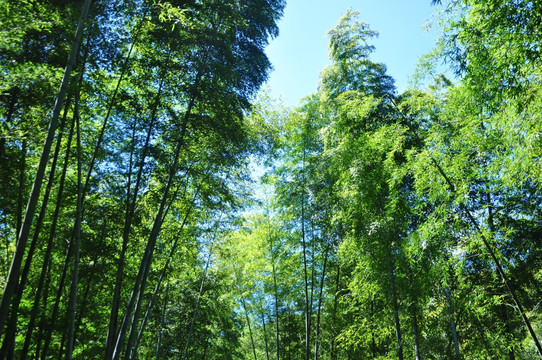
(156, 202)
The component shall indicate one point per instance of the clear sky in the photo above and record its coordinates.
(300, 52)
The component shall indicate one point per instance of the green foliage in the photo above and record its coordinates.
(411, 190)
(162, 90)
(391, 218)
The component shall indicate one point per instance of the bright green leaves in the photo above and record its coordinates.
(495, 44)
(348, 41)
(173, 14)
(162, 90)
(418, 184)
(352, 68)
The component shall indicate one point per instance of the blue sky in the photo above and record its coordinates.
(300, 52)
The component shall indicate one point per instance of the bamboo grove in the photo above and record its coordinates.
(385, 225)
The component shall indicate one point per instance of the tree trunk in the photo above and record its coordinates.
(504, 312)
(56, 306)
(113, 320)
(141, 279)
(160, 279)
(373, 339)
(14, 271)
(416, 333)
(413, 310)
(205, 349)
(49, 248)
(249, 327)
(332, 350)
(304, 243)
(196, 309)
(72, 309)
(11, 110)
(452, 323)
(275, 288)
(22, 170)
(162, 320)
(395, 307)
(265, 335)
(12, 325)
(318, 314)
(130, 210)
(8, 347)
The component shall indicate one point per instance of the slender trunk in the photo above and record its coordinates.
(85, 298)
(395, 307)
(196, 309)
(49, 249)
(112, 328)
(332, 350)
(61, 350)
(14, 271)
(113, 316)
(275, 288)
(265, 335)
(9, 340)
(452, 323)
(318, 314)
(141, 279)
(7, 246)
(373, 338)
(288, 341)
(77, 242)
(130, 210)
(148, 311)
(313, 268)
(11, 110)
(22, 170)
(304, 243)
(249, 327)
(511, 354)
(8, 346)
(491, 226)
(56, 306)
(414, 316)
(162, 276)
(205, 349)
(133, 351)
(162, 320)
(416, 334)
(113, 319)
